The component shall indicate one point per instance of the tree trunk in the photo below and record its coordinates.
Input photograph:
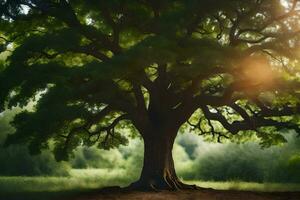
(158, 171)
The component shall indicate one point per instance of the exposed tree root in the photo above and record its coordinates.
(153, 186)
(168, 184)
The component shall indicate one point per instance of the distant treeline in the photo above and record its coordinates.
(246, 162)
(194, 159)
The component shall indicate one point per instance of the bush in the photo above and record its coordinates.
(16, 160)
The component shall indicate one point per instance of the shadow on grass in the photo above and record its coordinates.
(45, 195)
(122, 195)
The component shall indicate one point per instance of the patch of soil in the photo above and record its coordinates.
(206, 194)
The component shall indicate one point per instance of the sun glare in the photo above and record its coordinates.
(257, 71)
(285, 3)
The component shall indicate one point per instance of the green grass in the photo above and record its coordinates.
(79, 179)
(248, 186)
(84, 181)
(46, 188)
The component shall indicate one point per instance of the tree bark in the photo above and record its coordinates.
(158, 171)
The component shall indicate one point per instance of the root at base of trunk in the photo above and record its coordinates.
(159, 185)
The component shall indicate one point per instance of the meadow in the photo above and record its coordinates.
(90, 180)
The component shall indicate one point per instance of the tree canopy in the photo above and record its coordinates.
(98, 67)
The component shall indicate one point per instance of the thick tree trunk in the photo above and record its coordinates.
(158, 171)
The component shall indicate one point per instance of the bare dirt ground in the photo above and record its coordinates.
(192, 195)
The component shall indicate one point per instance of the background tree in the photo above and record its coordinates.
(225, 67)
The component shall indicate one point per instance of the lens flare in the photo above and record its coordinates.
(256, 72)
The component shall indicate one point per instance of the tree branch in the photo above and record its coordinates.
(257, 121)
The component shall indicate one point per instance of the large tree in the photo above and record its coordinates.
(95, 68)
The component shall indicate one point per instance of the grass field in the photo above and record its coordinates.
(84, 181)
